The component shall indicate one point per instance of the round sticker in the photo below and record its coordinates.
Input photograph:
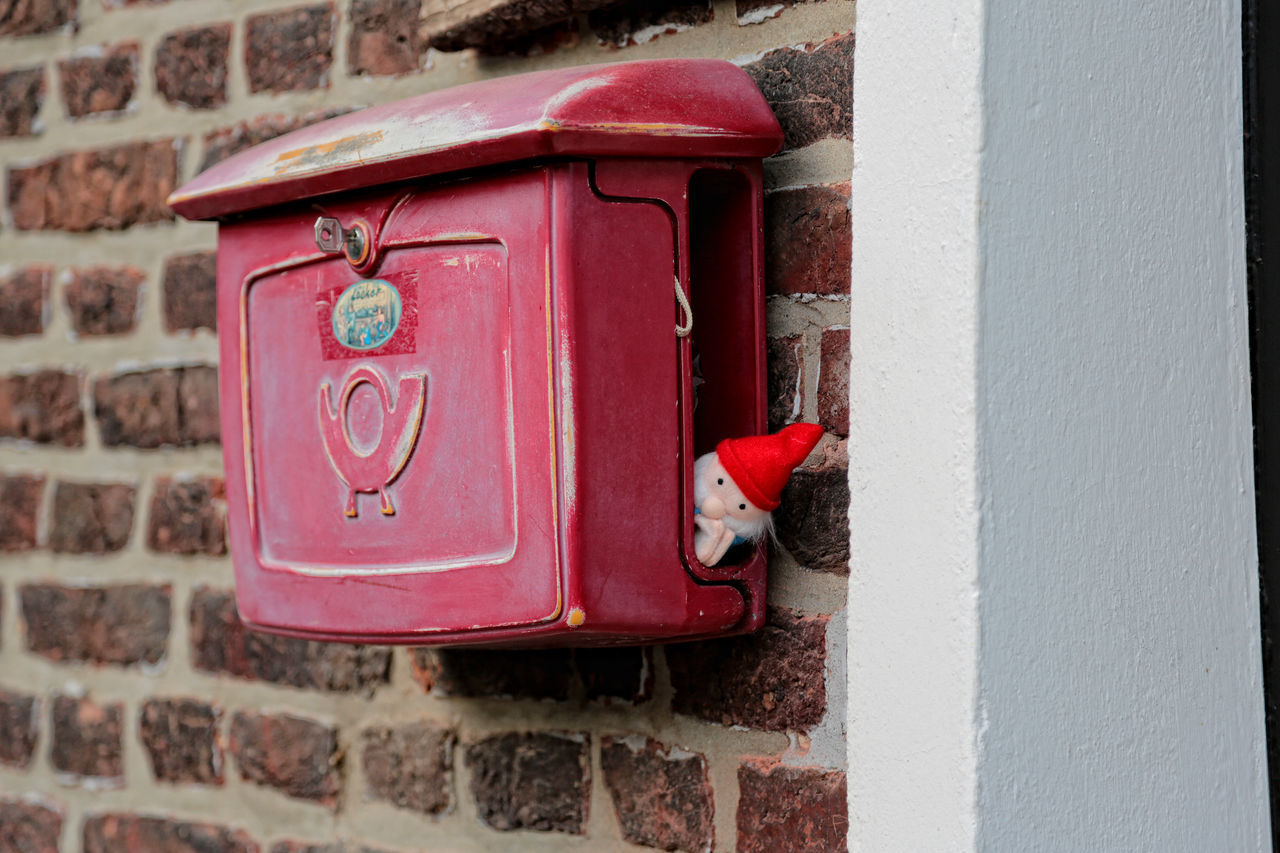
(366, 314)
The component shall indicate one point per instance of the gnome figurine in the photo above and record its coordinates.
(737, 487)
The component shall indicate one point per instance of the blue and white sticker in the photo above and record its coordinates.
(367, 314)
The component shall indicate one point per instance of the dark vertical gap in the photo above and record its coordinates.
(1262, 217)
(720, 270)
(724, 345)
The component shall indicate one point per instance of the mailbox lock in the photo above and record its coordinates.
(353, 242)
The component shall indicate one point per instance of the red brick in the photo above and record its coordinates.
(522, 674)
(808, 240)
(384, 37)
(28, 17)
(562, 35)
(833, 382)
(154, 408)
(21, 96)
(624, 674)
(139, 409)
(511, 26)
(536, 781)
(20, 496)
(190, 292)
(295, 755)
(191, 66)
(813, 521)
(110, 188)
(641, 21)
(810, 90)
(19, 730)
(87, 739)
(290, 50)
(125, 624)
(786, 380)
(104, 300)
(181, 738)
(198, 418)
(410, 766)
(220, 643)
(129, 833)
(100, 81)
(29, 827)
(662, 796)
(23, 295)
(773, 679)
(224, 142)
(187, 517)
(43, 407)
(791, 808)
(91, 518)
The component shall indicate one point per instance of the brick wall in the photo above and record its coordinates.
(136, 712)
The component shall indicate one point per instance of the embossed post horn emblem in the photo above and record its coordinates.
(373, 470)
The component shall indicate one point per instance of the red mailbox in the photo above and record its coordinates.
(461, 399)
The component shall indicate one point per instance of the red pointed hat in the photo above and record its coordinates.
(760, 465)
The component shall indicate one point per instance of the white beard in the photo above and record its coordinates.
(749, 530)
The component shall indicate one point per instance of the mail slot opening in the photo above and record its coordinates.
(726, 342)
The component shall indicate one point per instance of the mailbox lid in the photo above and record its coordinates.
(654, 108)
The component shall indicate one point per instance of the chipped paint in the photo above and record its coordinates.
(321, 154)
(576, 617)
(568, 432)
(637, 127)
(759, 16)
(634, 742)
(644, 35)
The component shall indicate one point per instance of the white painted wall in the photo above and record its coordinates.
(1053, 630)
(914, 509)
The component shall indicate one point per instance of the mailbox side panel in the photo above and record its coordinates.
(619, 391)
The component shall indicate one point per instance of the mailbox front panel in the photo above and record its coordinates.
(397, 468)
(437, 440)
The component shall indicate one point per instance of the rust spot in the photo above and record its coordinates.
(322, 153)
(654, 128)
(576, 617)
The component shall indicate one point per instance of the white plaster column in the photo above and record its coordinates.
(913, 627)
(1053, 620)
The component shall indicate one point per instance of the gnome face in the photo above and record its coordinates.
(717, 497)
(737, 487)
